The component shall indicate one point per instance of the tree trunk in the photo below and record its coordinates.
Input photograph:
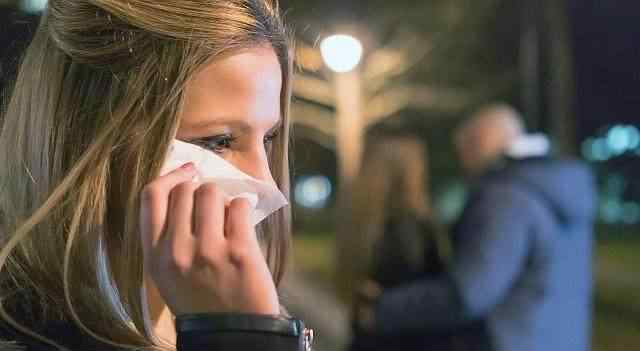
(530, 63)
(560, 90)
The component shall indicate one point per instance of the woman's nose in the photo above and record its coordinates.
(256, 164)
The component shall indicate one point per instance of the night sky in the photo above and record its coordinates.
(607, 58)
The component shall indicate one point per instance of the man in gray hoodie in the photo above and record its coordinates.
(522, 249)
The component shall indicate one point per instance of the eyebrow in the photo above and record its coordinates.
(238, 124)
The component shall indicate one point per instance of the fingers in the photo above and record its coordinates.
(179, 225)
(194, 221)
(239, 224)
(154, 202)
(244, 248)
(209, 218)
(181, 207)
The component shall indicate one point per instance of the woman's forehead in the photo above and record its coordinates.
(246, 85)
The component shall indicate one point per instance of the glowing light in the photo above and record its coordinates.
(342, 53)
(631, 213)
(313, 191)
(450, 202)
(599, 150)
(587, 149)
(621, 139)
(33, 5)
(634, 137)
(611, 211)
(617, 140)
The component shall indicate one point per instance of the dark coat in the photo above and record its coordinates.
(522, 264)
(406, 252)
(71, 337)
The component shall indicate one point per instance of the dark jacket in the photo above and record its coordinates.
(74, 339)
(521, 266)
(408, 250)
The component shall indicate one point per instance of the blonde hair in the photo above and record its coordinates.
(95, 105)
(391, 182)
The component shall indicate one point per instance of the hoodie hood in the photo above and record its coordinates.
(567, 185)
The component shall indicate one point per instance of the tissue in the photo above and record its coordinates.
(265, 198)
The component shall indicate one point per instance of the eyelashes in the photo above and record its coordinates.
(216, 143)
(269, 138)
(225, 142)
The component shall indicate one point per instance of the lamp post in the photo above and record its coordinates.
(342, 54)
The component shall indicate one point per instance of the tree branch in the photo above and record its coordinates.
(313, 117)
(314, 89)
(387, 104)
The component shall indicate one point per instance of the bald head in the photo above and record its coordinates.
(486, 135)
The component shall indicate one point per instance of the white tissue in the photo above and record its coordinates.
(264, 197)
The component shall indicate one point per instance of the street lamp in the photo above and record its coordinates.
(33, 6)
(342, 54)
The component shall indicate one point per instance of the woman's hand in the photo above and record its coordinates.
(202, 253)
(364, 316)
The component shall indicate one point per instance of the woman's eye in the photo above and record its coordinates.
(218, 144)
(268, 139)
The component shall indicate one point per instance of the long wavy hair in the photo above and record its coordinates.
(95, 105)
(391, 183)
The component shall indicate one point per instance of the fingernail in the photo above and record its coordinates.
(188, 166)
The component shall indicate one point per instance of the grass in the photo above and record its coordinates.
(622, 252)
(314, 255)
(617, 307)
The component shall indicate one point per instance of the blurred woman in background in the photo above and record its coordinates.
(396, 239)
(99, 252)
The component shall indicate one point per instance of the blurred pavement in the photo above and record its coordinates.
(308, 299)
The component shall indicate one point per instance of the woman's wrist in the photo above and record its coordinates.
(232, 321)
(214, 323)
